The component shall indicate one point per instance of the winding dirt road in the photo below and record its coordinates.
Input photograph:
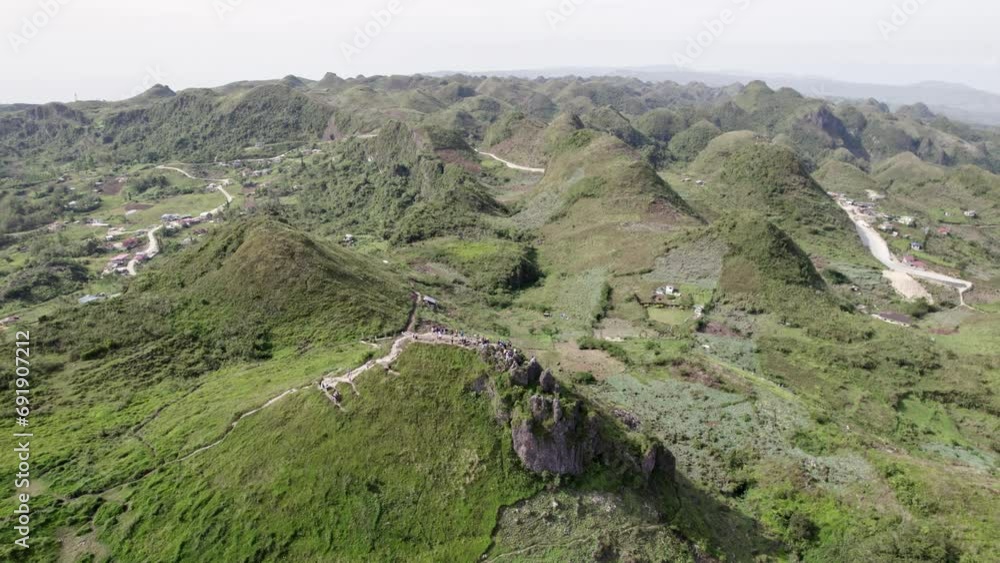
(880, 250)
(154, 246)
(188, 174)
(511, 165)
(152, 249)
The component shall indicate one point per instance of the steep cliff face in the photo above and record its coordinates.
(554, 439)
(554, 431)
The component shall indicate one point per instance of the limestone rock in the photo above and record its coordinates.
(548, 382)
(526, 375)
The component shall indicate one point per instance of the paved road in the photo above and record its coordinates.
(511, 164)
(880, 250)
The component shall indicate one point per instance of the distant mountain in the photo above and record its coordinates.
(955, 101)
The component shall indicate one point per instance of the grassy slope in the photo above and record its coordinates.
(413, 469)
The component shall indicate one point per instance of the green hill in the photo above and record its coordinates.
(517, 137)
(608, 120)
(406, 184)
(771, 180)
(689, 143)
(842, 177)
(597, 168)
(254, 288)
(201, 126)
(763, 267)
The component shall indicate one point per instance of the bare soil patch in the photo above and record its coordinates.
(459, 158)
(905, 285)
(112, 187)
(571, 359)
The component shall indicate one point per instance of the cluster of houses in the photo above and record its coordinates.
(665, 295)
(118, 263)
(888, 223)
(255, 173)
(175, 222)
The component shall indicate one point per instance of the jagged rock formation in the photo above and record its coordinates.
(557, 433)
(554, 439)
(527, 375)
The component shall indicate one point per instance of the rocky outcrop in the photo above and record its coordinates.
(548, 383)
(557, 434)
(553, 439)
(658, 460)
(526, 375)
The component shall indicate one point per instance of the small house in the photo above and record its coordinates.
(907, 221)
(430, 302)
(971, 214)
(119, 260)
(916, 246)
(944, 231)
(667, 291)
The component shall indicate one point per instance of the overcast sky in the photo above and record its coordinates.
(111, 49)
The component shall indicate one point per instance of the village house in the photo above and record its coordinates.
(944, 231)
(665, 295)
(117, 261)
(430, 302)
(130, 243)
(5, 322)
(913, 262)
(971, 214)
(907, 221)
(667, 291)
(916, 246)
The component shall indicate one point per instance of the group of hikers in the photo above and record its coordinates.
(501, 353)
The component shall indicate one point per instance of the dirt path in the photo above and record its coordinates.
(188, 174)
(235, 423)
(511, 165)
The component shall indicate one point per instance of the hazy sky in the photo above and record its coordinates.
(111, 49)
